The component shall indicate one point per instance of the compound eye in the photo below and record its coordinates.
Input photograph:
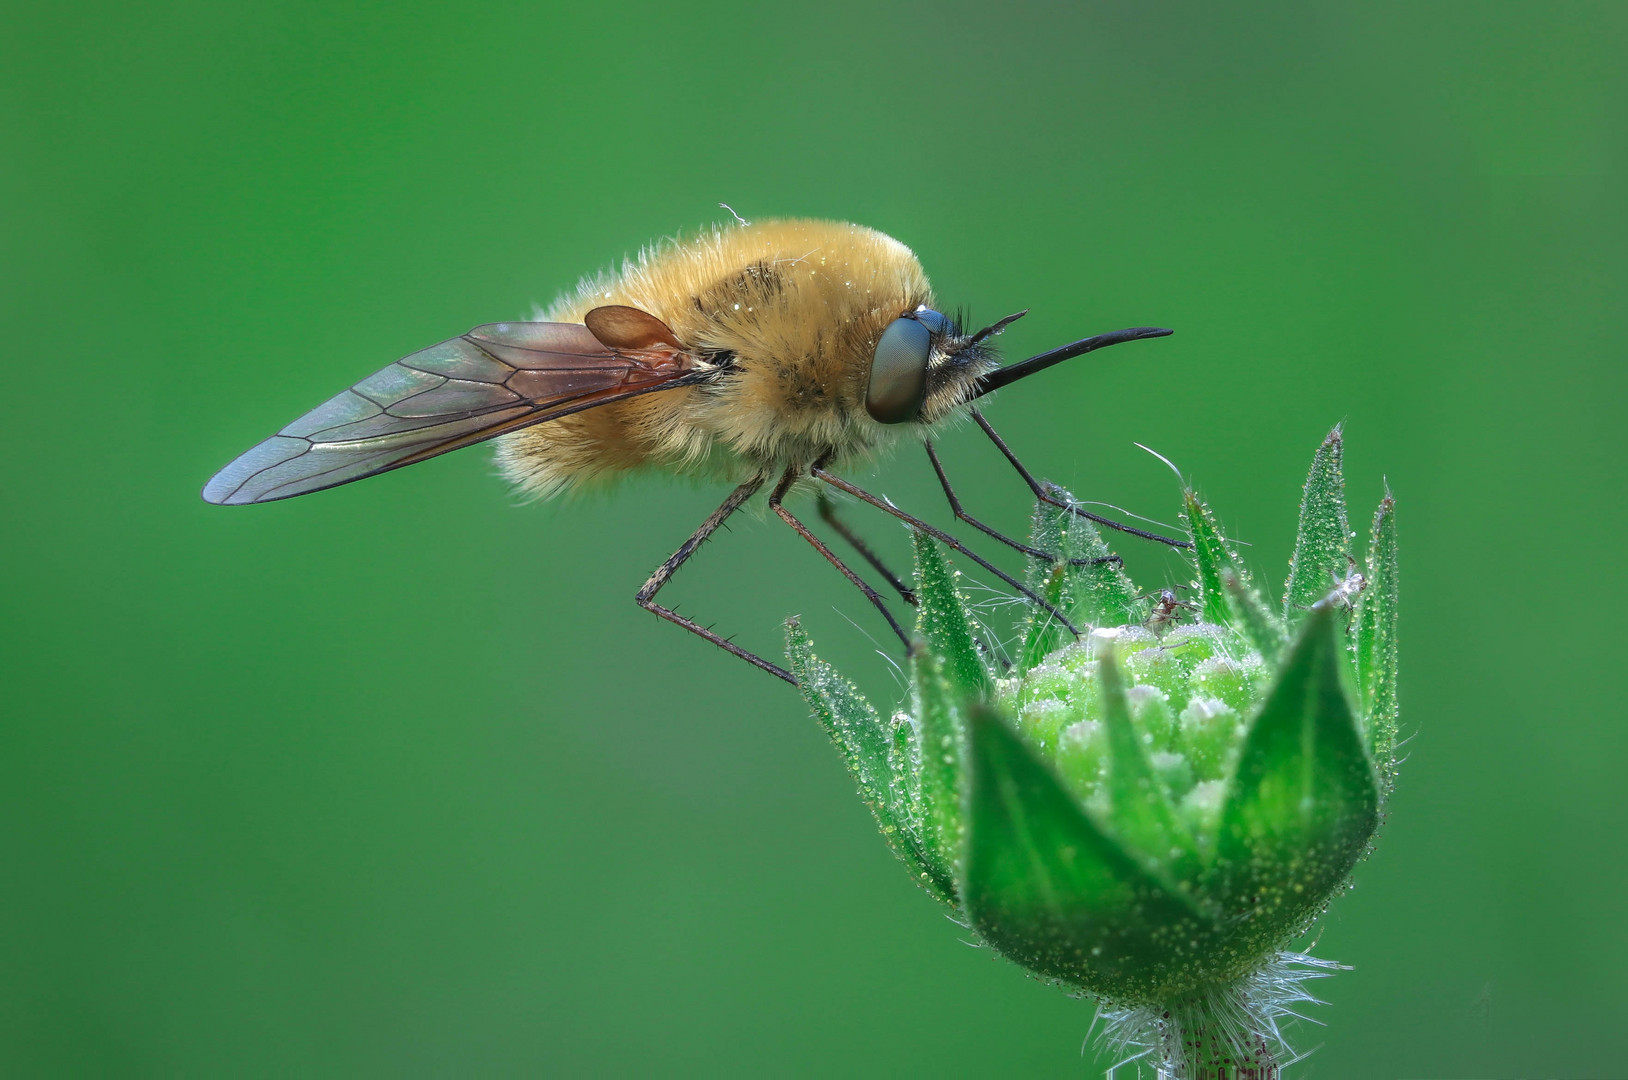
(899, 371)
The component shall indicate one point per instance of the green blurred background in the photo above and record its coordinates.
(396, 780)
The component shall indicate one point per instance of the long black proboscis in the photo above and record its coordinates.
(1013, 372)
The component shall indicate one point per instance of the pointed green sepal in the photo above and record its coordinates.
(904, 767)
(1211, 558)
(1142, 814)
(1322, 548)
(1047, 887)
(1303, 801)
(1095, 590)
(942, 743)
(941, 617)
(1250, 615)
(1054, 581)
(1376, 643)
(1102, 594)
(867, 747)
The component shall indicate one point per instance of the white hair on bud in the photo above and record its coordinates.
(1247, 1015)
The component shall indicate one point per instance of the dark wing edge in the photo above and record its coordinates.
(493, 380)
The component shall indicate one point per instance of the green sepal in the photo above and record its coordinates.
(1252, 617)
(1211, 559)
(1054, 581)
(1050, 889)
(1141, 812)
(904, 766)
(866, 745)
(941, 745)
(1100, 593)
(1303, 800)
(1376, 644)
(1322, 548)
(941, 618)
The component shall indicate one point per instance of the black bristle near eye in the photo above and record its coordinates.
(998, 326)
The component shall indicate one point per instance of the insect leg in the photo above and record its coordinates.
(837, 482)
(1045, 497)
(647, 595)
(778, 494)
(828, 514)
(962, 515)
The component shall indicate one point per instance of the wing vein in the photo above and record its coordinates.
(589, 374)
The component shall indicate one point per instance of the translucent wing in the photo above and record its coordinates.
(495, 379)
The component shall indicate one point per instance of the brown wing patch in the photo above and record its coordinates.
(621, 327)
(495, 379)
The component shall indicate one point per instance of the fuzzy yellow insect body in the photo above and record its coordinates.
(795, 309)
(749, 352)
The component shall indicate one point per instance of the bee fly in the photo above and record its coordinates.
(775, 351)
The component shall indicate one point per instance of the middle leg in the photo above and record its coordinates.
(961, 515)
(802, 530)
(819, 473)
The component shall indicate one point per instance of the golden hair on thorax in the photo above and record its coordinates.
(795, 306)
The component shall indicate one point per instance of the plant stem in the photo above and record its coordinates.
(1210, 1038)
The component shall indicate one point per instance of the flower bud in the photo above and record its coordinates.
(1152, 813)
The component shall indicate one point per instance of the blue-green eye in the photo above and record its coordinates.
(937, 323)
(899, 370)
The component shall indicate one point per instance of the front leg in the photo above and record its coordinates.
(1045, 497)
(962, 515)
